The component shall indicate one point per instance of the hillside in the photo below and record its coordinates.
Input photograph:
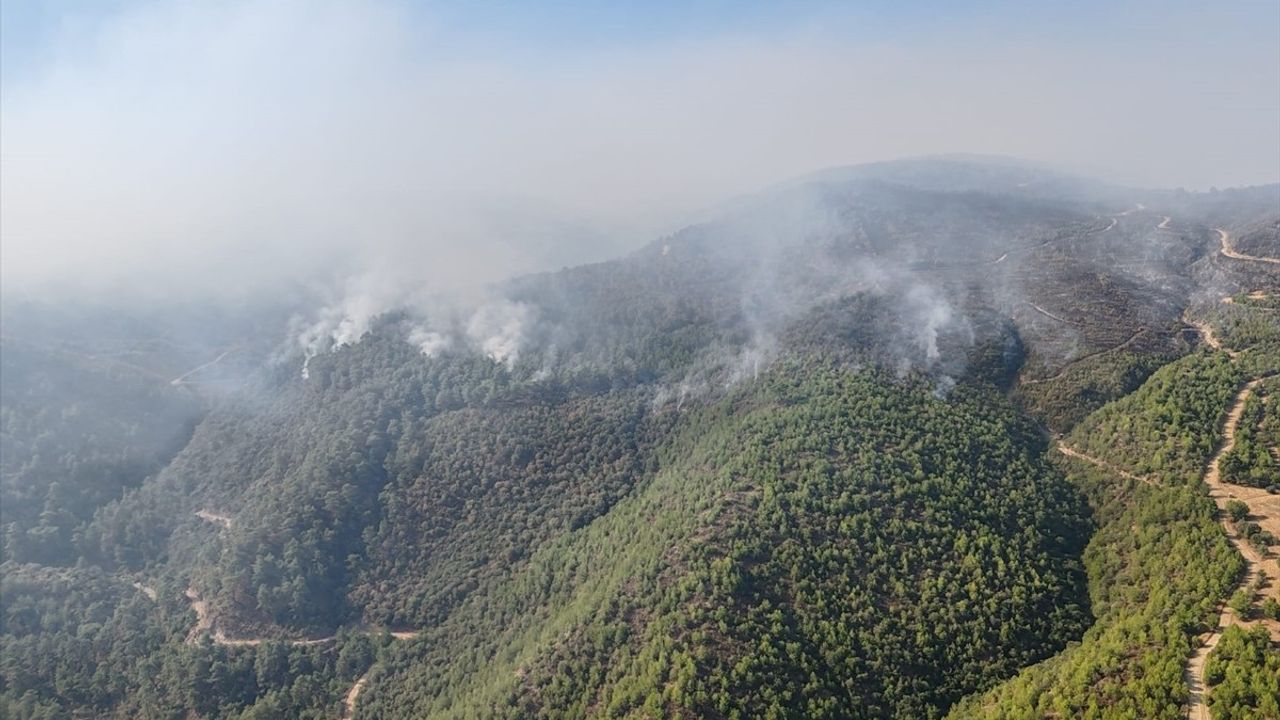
(797, 460)
(1182, 565)
(728, 580)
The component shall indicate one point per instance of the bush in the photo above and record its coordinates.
(1240, 601)
(1270, 609)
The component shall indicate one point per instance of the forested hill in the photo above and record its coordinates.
(790, 462)
(825, 538)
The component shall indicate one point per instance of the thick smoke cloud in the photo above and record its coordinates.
(211, 147)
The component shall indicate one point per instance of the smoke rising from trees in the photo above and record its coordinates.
(211, 148)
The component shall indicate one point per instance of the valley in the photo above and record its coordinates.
(409, 360)
(794, 461)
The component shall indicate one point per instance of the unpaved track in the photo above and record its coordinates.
(1260, 508)
(1224, 238)
(1046, 313)
(1071, 452)
(1255, 295)
(205, 624)
(1264, 508)
(1082, 358)
(349, 701)
(182, 379)
(203, 620)
(1206, 332)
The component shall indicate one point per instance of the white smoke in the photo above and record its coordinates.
(930, 313)
(499, 329)
(429, 342)
(276, 136)
(753, 358)
(687, 389)
(346, 321)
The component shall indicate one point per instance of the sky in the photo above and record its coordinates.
(210, 146)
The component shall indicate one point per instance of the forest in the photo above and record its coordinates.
(744, 542)
(1168, 427)
(753, 470)
(1252, 462)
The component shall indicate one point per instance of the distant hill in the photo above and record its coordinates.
(793, 461)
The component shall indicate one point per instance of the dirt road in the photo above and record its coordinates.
(1048, 314)
(205, 624)
(182, 379)
(349, 701)
(1206, 332)
(1071, 452)
(1082, 358)
(1262, 509)
(1224, 238)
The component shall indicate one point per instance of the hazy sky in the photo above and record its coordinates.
(203, 145)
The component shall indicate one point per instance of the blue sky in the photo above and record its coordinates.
(32, 28)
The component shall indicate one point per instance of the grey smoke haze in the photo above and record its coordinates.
(208, 147)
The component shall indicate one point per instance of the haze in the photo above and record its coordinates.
(210, 147)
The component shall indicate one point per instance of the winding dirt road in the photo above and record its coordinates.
(1263, 508)
(1224, 238)
(349, 701)
(1206, 331)
(205, 625)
